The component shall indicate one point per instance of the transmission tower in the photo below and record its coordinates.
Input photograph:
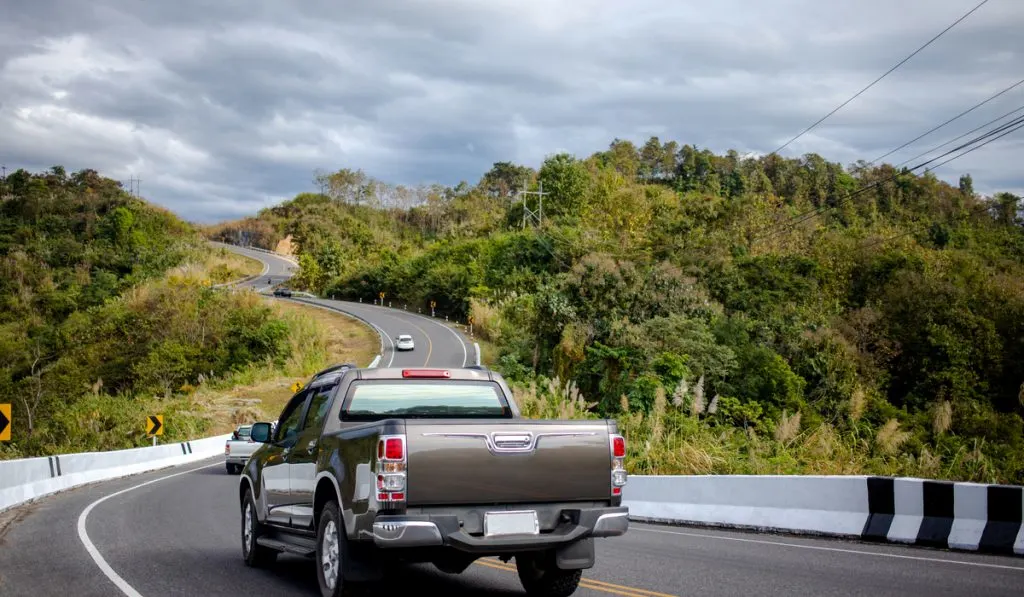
(533, 215)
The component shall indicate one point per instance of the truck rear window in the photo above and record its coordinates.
(370, 400)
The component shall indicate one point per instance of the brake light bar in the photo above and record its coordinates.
(427, 373)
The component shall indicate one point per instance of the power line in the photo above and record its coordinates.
(958, 137)
(964, 113)
(977, 210)
(807, 215)
(872, 84)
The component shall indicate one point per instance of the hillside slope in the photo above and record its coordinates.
(736, 314)
(109, 314)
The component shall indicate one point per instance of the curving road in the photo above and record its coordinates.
(436, 344)
(177, 532)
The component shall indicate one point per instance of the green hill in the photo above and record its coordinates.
(109, 314)
(743, 315)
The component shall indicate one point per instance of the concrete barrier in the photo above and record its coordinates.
(818, 505)
(943, 514)
(32, 478)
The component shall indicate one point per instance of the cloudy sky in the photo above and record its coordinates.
(224, 107)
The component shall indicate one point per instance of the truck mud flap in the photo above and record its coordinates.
(578, 555)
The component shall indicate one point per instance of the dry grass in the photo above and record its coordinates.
(218, 266)
(323, 338)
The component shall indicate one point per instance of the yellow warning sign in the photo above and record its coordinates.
(154, 425)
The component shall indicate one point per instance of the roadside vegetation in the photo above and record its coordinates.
(735, 314)
(110, 313)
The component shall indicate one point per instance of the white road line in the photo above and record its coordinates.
(390, 341)
(83, 535)
(465, 354)
(832, 549)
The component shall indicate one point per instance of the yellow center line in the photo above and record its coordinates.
(430, 345)
(587, 583)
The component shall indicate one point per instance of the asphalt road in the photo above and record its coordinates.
(436, 343)
(181, 536)
(177, 532)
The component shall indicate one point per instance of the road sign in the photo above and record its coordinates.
(382, 296)
(154, 425)
(470, 320)
(433, 304)
(296, 386)
(5, 422)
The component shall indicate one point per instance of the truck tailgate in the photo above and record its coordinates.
(513, 461)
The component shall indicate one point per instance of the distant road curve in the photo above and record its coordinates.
(437, 344)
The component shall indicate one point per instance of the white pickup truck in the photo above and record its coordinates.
(238, 449)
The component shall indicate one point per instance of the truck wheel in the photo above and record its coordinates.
(541, 578)
(256, 555)
(330, 551)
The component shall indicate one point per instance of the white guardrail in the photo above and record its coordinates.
(32, 478)
(943, 514)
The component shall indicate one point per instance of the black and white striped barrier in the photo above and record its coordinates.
(964, 516)
(967, 516)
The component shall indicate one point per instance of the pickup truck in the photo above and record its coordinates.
(238, 448)
(369, 468)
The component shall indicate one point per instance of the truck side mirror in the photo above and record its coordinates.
(261, 433)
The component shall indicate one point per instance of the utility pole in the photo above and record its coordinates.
(536, 215)
(133, 186)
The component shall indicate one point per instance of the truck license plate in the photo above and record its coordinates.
(511, 523)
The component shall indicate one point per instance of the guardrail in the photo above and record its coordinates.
(944, 514)
(28, 479)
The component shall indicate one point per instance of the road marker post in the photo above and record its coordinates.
(5, 422)
(432, 305)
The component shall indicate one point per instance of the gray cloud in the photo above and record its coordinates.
(223, 108)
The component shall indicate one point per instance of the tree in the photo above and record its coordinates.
(565, 182)
(504, 178)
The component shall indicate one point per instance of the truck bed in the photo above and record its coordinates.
(461, 462)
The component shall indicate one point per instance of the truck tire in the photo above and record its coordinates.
(256, 555)
(541, 578)
(331, 543)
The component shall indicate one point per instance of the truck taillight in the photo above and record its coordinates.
(618, 446)
(618, 453)
(227, 449)
(391, 460)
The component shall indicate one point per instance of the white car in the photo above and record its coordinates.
(404, 342)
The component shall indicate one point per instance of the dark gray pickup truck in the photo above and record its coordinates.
(369, 467)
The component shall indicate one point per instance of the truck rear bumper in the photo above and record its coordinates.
(434, 530)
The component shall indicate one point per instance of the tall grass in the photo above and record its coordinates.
(677, 436)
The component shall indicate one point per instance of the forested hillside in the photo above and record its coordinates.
(108, 314)
(738, 315)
